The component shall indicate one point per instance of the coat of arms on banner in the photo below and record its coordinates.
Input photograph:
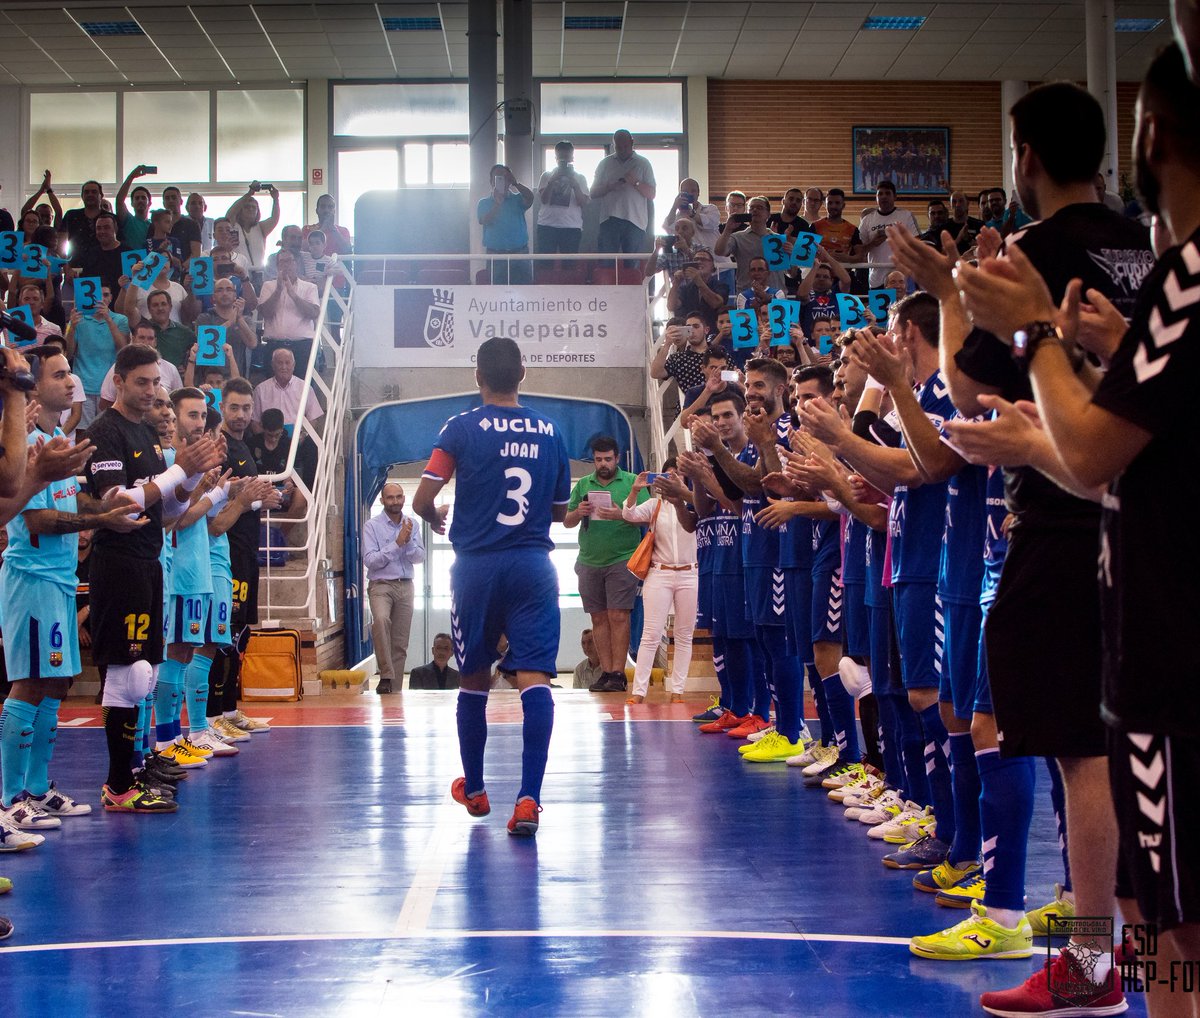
(425, 318)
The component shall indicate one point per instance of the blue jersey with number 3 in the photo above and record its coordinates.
(511, 467)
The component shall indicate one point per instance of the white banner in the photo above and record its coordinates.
(555, 326)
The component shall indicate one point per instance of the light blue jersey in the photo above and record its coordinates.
(52, 558)
(191, 568)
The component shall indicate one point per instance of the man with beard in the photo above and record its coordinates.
(1045, 620)
(606, 586)
(1130, 434)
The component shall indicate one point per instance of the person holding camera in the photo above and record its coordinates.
(696, 288)
(563, 193)
(624, 186)
(674, 253)
(252, 229)
(505, 231)
(745, 244)
(706, 218)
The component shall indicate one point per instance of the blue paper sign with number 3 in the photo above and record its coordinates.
(852, 313)
(804, 249)
(743, 328)
(773, 252)
(33, 262)
(202, 276)
(210, 346)
(152, 265)
(88, 293)
(22, 312)
(782, 315)
(10, 249)
(879, 302)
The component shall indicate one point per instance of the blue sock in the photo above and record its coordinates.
(889, 739)
(167, 700)
(819, 698)
(739, 663)
(16, 740)
(937, 770)
(966, 799)
(148, 725)
(139, 757)
(718, 660)
(45, 734)
(1058, 797)
(912, 751)
(537, 702)
(840, 705)
(758, 678)
(786, 678)
(195, 688)
(1005, 812)
(472, 737)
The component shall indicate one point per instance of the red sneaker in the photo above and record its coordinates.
(477, 805)
(524, 822)
(1059, 988)
(748, 727)
(725, 722)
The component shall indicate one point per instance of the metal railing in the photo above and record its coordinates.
(322, 498)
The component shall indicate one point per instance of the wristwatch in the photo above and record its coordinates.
(1029, 337)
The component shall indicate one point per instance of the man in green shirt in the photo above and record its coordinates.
(174, 339)
(606, 586)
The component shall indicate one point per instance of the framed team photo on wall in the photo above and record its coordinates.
(915, 159)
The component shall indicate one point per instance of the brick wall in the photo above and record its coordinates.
(767, 136)
(750, 151)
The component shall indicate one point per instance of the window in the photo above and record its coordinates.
(363, 170)
(168, 130)
(382, 111)
(260, 135)
(74, 134)
(581, 107)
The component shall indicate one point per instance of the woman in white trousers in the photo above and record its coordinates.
(673, 580)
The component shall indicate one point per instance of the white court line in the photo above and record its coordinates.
(418, 903)
(436, 934)
(75, 722)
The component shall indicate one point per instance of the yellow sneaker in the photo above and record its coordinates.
(192, 749)
(1039, 918)
(943, 876)
(181, 757)
(775, 748)
(977, 936)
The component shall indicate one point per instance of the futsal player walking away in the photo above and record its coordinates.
(126, 577)
(1135, 434)
(514, 479)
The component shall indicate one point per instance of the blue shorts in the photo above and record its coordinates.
(983, 690)
(220, 619)
(915, 608)
(188, 619)
(766, 603)
(879, 635)
(728, 605)
(858, 640)
(797, 588)
(827, 602)
(960, 624)
(704, 602)
(41, 638)
(505, 593)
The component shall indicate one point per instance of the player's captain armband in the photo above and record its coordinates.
(440, 466)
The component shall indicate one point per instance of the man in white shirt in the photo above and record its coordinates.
(624, 186)
(288, 306)
(563, 193)
(872, 229)
(284, 390)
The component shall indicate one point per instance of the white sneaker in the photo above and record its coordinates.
(887, 807)
(13, 839)
(755, 736)
(823, 758)
(860, 784)
(898, 825)
(805, 758)
(228, 731)
(59, 804)
(26, 815)
(861, 801)
(207, 740)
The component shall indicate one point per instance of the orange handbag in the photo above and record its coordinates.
(639, 561)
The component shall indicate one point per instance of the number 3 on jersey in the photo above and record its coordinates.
(516, 494)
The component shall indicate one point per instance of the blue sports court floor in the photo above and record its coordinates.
(325, 872)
